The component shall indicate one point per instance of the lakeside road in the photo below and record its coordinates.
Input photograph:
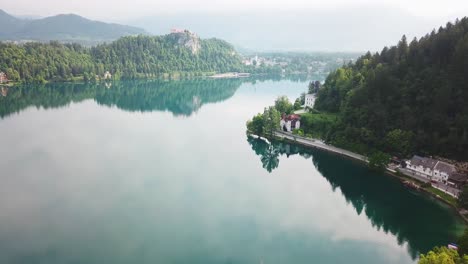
(321, 145)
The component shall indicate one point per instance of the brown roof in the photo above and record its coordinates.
(459, 177)
(424, 162)
(293, 117)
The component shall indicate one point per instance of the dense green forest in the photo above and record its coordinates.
(177, 55)
(405, 99)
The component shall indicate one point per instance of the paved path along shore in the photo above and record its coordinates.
(320, 144)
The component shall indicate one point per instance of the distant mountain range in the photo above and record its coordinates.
(65, 28)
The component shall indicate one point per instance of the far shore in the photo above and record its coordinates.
(230, 75)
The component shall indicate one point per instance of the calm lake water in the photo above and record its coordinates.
(163, 172)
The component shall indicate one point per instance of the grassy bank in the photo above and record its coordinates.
(430, 190)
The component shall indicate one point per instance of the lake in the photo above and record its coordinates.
(163, 172)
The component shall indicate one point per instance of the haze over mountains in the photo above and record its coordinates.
(341, 29)
(356, 29)
(67, 28)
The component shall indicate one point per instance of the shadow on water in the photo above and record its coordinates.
(413, 218)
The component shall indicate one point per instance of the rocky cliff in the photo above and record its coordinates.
(188, 39)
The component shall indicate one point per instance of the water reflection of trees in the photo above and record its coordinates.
(182, 97)
(269, 154)
(411, 217)
(179, 97)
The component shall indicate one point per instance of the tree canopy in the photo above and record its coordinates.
(407, 98)
(442, 255)
(127, 57)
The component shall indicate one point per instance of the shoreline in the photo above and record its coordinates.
(164, 77)
(229, 75)
(348, 154)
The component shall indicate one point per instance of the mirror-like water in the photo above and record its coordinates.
(162, 172)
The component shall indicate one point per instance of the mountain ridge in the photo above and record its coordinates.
(64, 28)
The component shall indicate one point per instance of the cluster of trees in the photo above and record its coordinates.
(313, 124)
(444, 255)
(144, 56)
(128, 58)
(37, 62)
(407, 98)
(264, 124)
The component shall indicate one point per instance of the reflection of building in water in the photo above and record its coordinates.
(3, 77)
(4, 91)
(196, 102)
(108, 85)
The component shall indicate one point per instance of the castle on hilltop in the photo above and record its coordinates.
(179, 31)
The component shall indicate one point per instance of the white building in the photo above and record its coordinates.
(442, 171)
(424, 166)
(309, 100)
(290, 122)
(3, 77)
(430, 168)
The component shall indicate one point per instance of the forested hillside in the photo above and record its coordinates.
(128, 57)
(151, 56)
(407, 98)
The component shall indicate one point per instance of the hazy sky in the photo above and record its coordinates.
(121, 10)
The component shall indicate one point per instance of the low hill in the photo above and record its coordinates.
(65, 28)
(405, 99)
(173, 55)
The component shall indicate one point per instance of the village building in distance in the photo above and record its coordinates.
(290, 122)
(309, 100)
(436, 170)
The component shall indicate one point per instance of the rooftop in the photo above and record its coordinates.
(458, 177)
(424, 162)
(445, 167)
(291, 117)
